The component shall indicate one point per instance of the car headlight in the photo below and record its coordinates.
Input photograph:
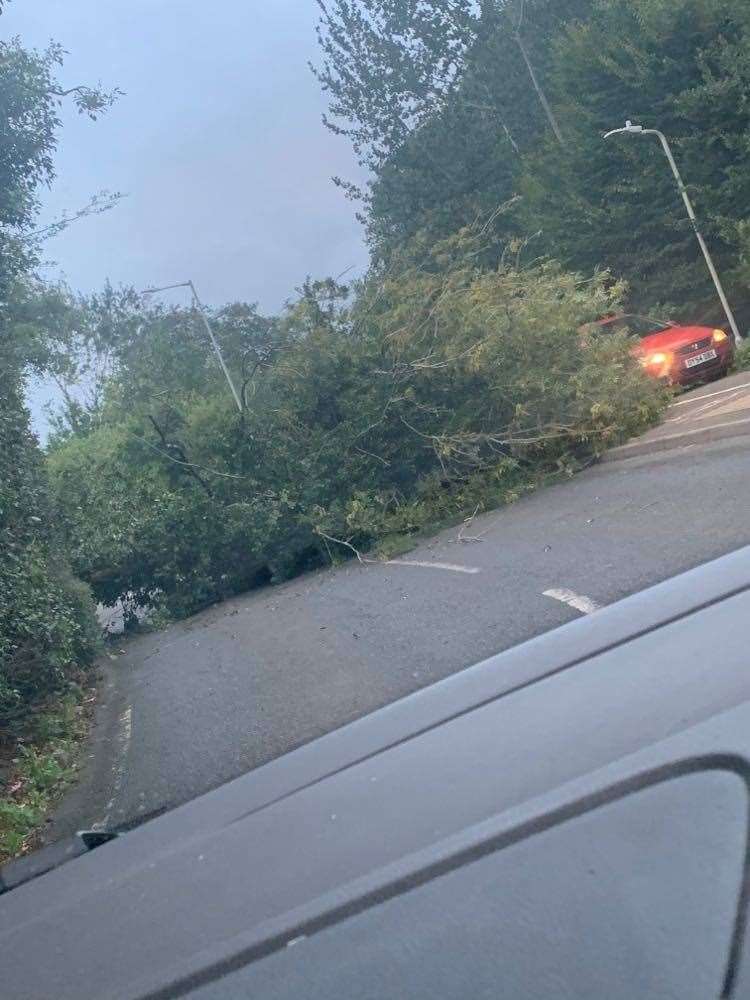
(656, 360)
(718, 336)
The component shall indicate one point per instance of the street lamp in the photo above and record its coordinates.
(209, 331)
(640, 130)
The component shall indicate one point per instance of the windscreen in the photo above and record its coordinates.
(633, 326)
(307, 403)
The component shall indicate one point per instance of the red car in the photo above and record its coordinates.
(679, 354)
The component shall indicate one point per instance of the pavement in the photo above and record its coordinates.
(188, 708)
(713, 412)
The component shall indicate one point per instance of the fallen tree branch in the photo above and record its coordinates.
(189, 469)
(340, 541)
(371, 454)
(194, 465)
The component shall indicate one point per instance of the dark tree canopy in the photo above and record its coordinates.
(442, 109)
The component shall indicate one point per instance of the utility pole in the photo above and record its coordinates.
(554, 125)
(214, 343)
(632, 129)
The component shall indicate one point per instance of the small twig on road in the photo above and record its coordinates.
(465, 525)
(470, 538)
(397, 562)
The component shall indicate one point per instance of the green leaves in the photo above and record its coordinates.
(681, 67)
(48, 632)
(438, 385)
(443, 113)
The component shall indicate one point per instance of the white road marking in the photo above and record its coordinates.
(675, 437)
(451, 567)
(709, 395)
(577, 601)
(123, 739)
(703, 409)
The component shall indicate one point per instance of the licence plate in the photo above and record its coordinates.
(700, 358)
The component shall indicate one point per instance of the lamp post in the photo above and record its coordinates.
(632, 129)
(199, 306)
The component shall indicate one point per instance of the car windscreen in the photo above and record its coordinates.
(634, 326)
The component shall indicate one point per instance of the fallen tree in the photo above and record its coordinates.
(443, 384)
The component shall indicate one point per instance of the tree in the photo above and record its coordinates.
(433, 386)
(388, 64)
(46, 620)
(437, 101)
(680, 66)
(118, 350)
(29, 101)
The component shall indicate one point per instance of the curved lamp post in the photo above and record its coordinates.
(632, 129)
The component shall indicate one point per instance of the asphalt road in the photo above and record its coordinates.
(712, 412)
(191, 707)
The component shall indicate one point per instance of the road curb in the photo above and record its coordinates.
(668, 442)
(87, 800)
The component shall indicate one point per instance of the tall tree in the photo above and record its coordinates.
(438, 102)
(681, 66)
(45, 621)
(388, 64)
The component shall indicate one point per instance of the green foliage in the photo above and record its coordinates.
(439, 386)
(387, 64)
(474, 136)
(437, 102)
(742, 357)
(47, 630)
(682, 67)
(44, 764)
(30, 100)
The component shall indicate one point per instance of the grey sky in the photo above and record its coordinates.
(218, 143)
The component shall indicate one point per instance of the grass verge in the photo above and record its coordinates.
(742, 357)
(37, 767)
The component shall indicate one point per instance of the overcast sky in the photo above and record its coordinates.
(218, 143)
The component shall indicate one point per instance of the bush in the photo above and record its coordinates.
(44, 763)
(742, 356)
(48, 631)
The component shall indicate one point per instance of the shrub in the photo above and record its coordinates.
(47, 627)
(742, 356)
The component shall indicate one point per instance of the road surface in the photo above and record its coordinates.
(713, 412)
(207, 699)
